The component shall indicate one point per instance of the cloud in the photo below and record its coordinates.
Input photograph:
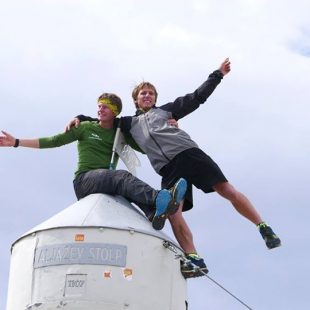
(301, 45)
(177, 35)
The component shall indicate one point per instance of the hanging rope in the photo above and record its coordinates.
(181, 256)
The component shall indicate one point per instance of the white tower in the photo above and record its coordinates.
(99, 253)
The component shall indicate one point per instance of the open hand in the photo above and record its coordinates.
(225, 66)
(7, 139)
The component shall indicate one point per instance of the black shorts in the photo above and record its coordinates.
(197, 168)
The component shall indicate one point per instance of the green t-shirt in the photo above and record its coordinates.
(94, 145)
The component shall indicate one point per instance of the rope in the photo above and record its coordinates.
(172, 248)
(232, 295)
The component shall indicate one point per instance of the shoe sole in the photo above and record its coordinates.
(199, 272)
(172, 200)
(273, 244)
(178, 192)
(163, 198)
(271, 239)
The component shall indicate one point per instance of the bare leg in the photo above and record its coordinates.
(239, 201)
(182, 232)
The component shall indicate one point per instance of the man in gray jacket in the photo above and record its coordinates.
(173, 154)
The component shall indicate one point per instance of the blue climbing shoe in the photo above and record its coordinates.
(167, 203)
(178, 192)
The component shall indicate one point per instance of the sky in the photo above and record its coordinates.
(58, 56)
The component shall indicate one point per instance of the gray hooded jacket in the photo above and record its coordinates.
(160, 141)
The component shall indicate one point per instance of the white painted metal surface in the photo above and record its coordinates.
(99, 253)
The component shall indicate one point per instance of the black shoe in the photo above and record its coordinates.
(271, 239)
(194, 267)
(150, 215)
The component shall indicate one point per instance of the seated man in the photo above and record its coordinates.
(95, 141)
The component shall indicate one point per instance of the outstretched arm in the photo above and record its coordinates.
(8, 140)
(185, 105)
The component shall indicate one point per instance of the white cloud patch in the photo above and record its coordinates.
(175, 34)
(301, 45)
(201, 7)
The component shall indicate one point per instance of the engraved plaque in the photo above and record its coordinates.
(86, 253)
(75, 284)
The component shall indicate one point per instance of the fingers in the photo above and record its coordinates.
(225, 66)
(226, 62)
(75, 122)
(173, 122)
(7, 135)
(6, 139)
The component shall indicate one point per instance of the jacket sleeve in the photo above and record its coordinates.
(84, 118)
(125, 128)
(183, 106)
(126, 124)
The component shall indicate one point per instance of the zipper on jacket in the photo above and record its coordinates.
(148, 128)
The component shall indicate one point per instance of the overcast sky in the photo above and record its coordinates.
(58, 56)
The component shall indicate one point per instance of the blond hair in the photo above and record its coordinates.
(137, 89)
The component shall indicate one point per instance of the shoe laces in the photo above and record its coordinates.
(193, 256)
(262, 225)
(266, 230)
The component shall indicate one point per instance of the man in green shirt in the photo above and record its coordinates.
(95, 142)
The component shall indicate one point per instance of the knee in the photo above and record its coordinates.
(226, 190)
(122, 171)
(123, 174)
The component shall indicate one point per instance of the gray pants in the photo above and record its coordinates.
(116, 182)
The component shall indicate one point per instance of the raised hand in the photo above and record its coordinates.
(225, 66)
